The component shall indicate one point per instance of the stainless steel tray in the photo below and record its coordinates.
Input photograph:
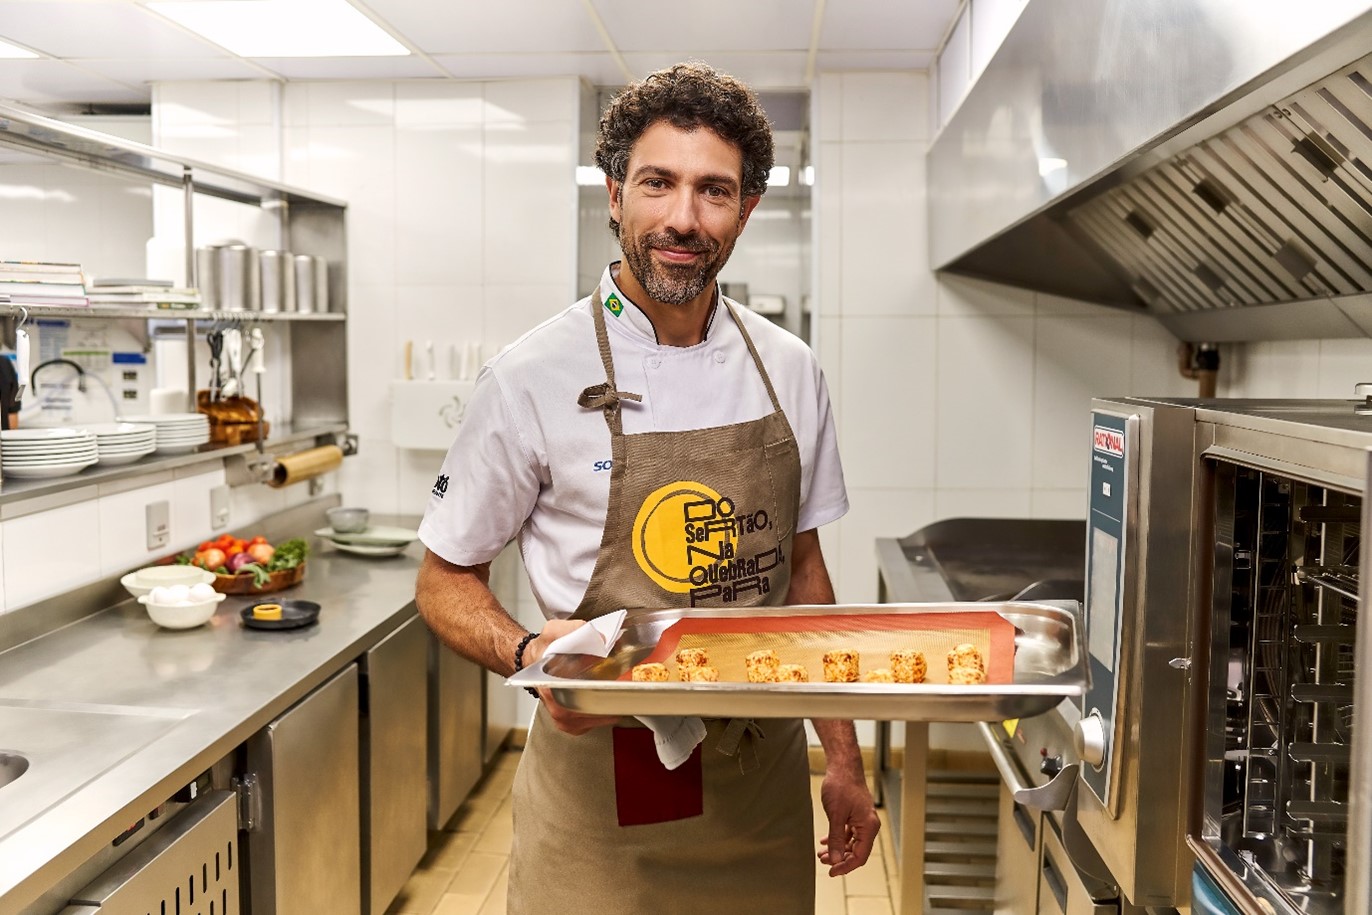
(1050, 665)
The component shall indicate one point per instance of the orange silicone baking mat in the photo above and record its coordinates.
(804, 640)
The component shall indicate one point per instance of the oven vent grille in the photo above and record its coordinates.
(1277, 208)
(189, 867)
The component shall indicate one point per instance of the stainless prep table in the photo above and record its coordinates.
(152, 708)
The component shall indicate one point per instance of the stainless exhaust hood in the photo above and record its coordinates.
(1206, 161)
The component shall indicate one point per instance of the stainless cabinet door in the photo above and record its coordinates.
(394, 765)
(306, 856)
(457, 707)
(1061, 890)
(1017, 856)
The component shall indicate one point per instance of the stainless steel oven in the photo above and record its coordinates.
(1217, 742)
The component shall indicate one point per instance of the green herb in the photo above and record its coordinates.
(288, 555)
(260, 576)
(183, 560)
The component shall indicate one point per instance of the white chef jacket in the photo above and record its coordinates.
(529, 462)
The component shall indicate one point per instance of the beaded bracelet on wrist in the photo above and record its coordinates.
(519, 659)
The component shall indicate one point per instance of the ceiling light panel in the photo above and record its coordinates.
(283, 28)
(515, 26)
(68, 29)
(14, 52)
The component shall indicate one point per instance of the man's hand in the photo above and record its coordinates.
(853, 823)
(566, 720)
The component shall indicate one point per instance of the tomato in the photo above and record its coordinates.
(211, 559)
(208, 544)
(258, 539)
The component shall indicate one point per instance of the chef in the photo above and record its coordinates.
(654, 445)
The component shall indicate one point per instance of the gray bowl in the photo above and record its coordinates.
(348, 520)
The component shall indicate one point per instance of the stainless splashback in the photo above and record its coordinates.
(1188, 157)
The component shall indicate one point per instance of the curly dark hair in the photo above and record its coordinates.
(688, 96)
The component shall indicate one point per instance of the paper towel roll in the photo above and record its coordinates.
(302, 465)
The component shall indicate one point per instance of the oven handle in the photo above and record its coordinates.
(1055, 795)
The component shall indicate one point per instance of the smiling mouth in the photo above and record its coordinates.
(677, 255)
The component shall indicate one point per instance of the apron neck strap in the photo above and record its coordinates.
(605, 397)
(757, 360)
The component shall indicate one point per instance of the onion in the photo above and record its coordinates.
(238, 561)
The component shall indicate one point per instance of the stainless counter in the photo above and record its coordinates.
(116, 714)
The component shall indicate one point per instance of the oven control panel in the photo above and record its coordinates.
(1112, 457)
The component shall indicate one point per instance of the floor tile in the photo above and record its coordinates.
(869, 905)
(495, 903)
(447, 850)
(421, 892)
(466, 869)
(477, 875)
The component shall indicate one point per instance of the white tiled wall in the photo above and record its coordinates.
(1295, 368)
(44, 553)
(953, 397)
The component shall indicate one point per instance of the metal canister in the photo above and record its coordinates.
(311, 283)
(239, 282)
(207, 276)
(278, 280)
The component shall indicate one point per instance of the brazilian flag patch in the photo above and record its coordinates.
(614, 306)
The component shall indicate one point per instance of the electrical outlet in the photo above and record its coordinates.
(159, 524)
(219, 507)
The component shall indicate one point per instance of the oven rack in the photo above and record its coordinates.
(1341, 579)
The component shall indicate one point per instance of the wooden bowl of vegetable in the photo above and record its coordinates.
(250, 566)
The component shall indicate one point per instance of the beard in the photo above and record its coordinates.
(674, 284)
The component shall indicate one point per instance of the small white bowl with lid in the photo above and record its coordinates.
(142, 581)
(181, 607)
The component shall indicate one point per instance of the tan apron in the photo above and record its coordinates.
(697, 518)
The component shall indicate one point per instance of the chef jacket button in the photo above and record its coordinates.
(719, 355)
(654, 363)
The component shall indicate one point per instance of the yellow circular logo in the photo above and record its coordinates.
(679, 526)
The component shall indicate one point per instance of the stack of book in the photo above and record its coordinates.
(141, 293)
(40, 283)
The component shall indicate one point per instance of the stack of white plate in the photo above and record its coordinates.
(36, 454)
(177, 433)
(374, 541)
(123, 443)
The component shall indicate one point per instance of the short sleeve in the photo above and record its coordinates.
(487, 486)
(825, 499)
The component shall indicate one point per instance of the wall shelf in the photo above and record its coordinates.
(306, 223)
(12, 491)
(37, 312)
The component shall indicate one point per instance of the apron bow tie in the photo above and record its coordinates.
(600, 396)
(740, 739)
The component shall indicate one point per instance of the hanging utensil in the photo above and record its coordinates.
(215, 340)
(233, 360)
(257, 364)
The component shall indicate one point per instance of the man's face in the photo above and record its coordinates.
(680, 210)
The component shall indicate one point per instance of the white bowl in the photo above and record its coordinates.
(181, 616)
(142, 581)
